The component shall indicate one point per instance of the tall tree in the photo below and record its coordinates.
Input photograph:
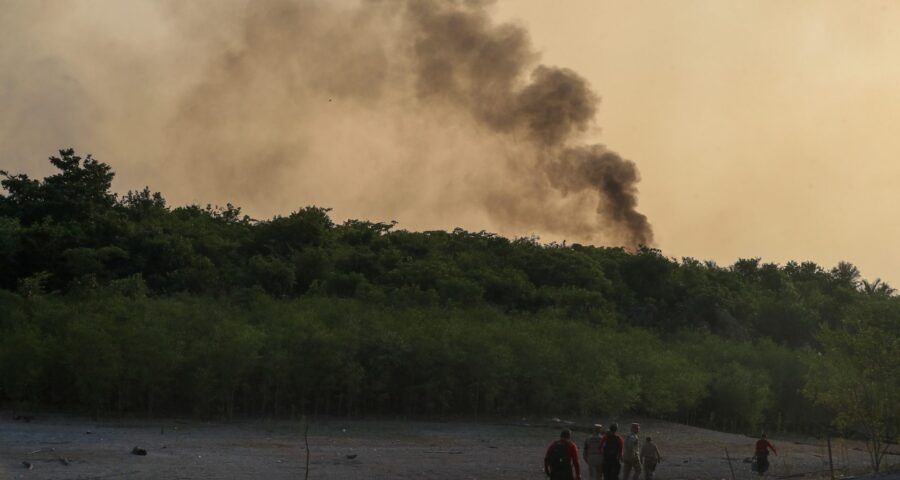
(857, 375)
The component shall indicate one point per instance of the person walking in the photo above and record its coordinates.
(612, 447)
(762, 454)
(561, 460)
(632, 454)
(650, 458)
(592, 454)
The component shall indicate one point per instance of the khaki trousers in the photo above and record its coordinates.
(649, 468)
(632, 466)
(595, 467)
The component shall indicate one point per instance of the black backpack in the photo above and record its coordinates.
(559, 455)
(611, 448)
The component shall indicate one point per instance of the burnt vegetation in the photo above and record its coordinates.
(124, 304)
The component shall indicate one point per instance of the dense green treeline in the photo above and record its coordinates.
(126, 304)
(110, 350)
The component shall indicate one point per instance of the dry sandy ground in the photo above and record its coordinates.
(380, 449)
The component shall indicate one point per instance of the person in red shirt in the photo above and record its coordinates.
(762, 454)
(561, 458)
(613, 448)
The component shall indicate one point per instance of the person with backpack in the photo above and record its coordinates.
(650, 458)
(613, 448)
(633, 454)
(762, 454)
(561, 458)
(592, 454)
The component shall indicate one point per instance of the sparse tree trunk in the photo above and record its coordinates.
(306, 443)
(230, 406)
(275, 403)
(264, 400)
(350, 404)
(830, 460)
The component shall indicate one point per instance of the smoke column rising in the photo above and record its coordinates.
(425, 112)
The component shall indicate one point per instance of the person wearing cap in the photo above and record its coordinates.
(649, 458)
(592, 454)
(632, 455)
(562, 458)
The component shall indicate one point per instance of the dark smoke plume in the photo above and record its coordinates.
(423, 111)
(461, 55)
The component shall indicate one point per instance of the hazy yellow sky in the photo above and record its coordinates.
(760, 128)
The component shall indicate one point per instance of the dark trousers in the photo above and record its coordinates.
(762, 462)
(611, 469)
(562, 473)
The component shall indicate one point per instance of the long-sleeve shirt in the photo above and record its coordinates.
(761, 446)
(572, 450)
(612, 437)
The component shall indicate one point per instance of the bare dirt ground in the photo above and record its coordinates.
(367, 449)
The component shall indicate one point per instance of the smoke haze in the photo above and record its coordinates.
(429, 113)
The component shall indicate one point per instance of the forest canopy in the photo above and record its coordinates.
(115, 303)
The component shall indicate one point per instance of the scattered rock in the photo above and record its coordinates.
(28, 465)
(138, 451)
(351, 456)
(64, 461)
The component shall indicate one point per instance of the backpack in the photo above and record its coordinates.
(611, 448)
(559, 455)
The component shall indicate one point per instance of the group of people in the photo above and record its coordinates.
(605, 453)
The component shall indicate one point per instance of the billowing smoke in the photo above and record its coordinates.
(426, 112)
